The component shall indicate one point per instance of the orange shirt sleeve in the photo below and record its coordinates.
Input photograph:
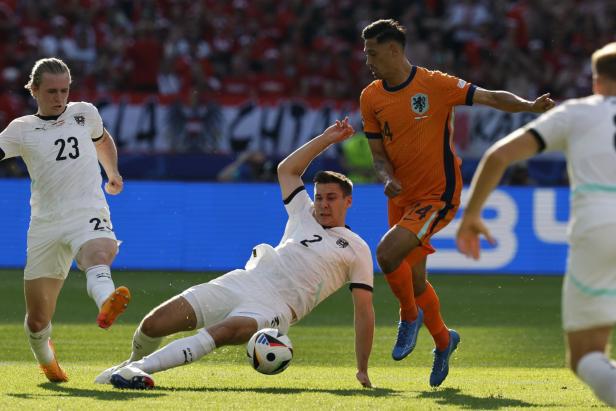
(369, 120)
(454, 90)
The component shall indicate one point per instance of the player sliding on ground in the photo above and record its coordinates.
(317, 255)
(61, 145)
(585, 130)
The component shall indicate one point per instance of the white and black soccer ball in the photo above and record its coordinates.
(269, 351)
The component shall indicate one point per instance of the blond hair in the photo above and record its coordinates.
(604, 61)
(50, 65)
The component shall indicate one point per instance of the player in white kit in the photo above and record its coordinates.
(316, 256)
(585, 130)
(62, 145)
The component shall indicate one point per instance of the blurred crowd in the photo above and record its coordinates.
(269, 49)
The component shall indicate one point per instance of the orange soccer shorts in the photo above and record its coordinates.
(424, 218)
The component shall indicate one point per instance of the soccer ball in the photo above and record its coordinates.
(269, 351)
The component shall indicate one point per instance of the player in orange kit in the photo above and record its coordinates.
(408, 115)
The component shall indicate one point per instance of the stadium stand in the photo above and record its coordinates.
(203, 54)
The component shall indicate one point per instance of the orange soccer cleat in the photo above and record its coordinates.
(53, 371)
(113, 306)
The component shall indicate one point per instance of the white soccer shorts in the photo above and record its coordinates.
(589, 287)
(213, 303)
(53, 244)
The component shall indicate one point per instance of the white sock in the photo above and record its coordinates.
(599, 372)
(39, 343)
(179, 352)
(143, 345)
(99, 283)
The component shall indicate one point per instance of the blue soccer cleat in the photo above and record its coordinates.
(132, 378)
(407, 336)
(440, 367)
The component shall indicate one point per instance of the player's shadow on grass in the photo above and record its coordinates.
(64, 391)
(368, 392)
(453, 396)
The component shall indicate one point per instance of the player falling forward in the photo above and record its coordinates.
(585, 130)
(408, 117)
(317, 255)
(61, 145)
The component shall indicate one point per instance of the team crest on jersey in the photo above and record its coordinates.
(80, 120)
(420, 103)
(342, 243)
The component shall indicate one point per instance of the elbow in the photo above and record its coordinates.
(498, 158)
(285, 168)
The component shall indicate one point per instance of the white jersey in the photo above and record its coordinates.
(310, 263)
(61, 158)
(585, 130)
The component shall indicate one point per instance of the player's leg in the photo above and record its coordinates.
(47, 265)
(95, 257)
(588, 359)
(428, 301)
(136, 375)
(41, 295)
(173, 316)
(445, 339)
(589, 309)
(391, 252)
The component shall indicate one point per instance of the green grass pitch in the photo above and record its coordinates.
(511, 355)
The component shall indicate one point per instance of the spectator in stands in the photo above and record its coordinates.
(250, 166)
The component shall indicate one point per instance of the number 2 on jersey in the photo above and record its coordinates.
(74, 153)
(317, 238)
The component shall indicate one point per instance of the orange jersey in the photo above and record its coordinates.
(415, 121)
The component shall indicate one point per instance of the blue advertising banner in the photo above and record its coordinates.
(213, 226)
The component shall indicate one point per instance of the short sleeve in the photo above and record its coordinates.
(455, 91)
(361, 273)
(10, 141)
(298, 202)
(369, 120)
(551, 128)
(95, 121)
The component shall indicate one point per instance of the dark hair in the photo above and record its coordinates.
(604, 61)
(385, 30)
(326, 177)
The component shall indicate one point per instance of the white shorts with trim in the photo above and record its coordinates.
(213, 302)
(589, 287)
(53, 244)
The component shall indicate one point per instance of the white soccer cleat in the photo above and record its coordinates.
(105, 376)
(132, 377)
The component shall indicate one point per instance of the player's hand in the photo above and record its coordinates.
(467, 237)
(392, 187)
(339, 131)
(363, 379)
(542, 104)
(114, 185)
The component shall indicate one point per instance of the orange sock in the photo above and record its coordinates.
(401, 284)
(429, 303)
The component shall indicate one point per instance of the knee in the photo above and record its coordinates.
(37, 322)
(101, 256)
(386, 259)
(150, 326)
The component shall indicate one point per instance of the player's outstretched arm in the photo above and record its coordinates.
(517, 146)
(506, 101)
(108, 156)
(364, 333)
(290, 169)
